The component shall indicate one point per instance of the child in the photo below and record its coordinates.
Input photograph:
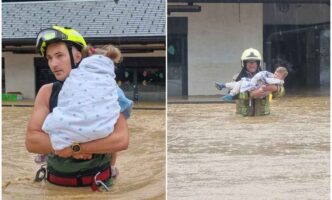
(89, 102)
(259, 81)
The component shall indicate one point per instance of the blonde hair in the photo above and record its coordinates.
(283, 71)
(110, 51)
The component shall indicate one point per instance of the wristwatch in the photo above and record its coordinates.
(76, 147)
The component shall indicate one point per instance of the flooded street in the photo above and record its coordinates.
(215, 154)
(142, 166)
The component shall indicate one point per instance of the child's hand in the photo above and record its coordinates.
(64, 153)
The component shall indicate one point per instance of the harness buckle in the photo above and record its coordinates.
(99, 182)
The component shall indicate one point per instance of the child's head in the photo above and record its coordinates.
(110, 51)
(281, 73)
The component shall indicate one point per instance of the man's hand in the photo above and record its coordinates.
(258, 93)
(263, 87)
(83, 156)
(64, 153)
(270, 88)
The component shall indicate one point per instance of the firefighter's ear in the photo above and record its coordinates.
(77, 55)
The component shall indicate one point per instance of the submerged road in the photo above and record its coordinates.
(215, 154)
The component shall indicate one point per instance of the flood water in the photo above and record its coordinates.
(142, 166)
(215, 154)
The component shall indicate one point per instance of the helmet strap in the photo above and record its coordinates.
(70, 49)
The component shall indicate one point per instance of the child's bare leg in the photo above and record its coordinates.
(235, 86)
(114, 170)
(113, 159)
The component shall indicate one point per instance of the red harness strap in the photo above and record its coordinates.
(78, 181)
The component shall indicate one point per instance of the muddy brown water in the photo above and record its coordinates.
(215, 154)
(142, 166)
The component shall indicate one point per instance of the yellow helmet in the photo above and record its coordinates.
(58, 34)
(251, 54)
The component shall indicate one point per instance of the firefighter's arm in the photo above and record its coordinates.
(37, 141)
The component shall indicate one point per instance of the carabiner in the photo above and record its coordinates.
(41, 174)
(99, 182)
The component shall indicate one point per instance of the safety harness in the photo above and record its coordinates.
(102, 178)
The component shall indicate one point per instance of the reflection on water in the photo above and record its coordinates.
(215, 154)
(142, 166)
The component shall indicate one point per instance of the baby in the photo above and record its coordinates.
(260, 79)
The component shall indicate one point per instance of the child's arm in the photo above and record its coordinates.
(273, 81)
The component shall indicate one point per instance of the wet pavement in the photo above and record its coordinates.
(142, 166)
(215, 154)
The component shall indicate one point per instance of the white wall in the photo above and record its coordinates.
(296, 14)
(20, 74)
(216, 38)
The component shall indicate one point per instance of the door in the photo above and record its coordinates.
(177, 56)
(324, 50)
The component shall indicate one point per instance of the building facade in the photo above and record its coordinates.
(206, 39)
(136, 27)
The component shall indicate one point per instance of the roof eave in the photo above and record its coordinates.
(93, 40)
(252, 1)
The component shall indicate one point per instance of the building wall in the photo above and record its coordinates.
(296, 13)
(216, 38)
(20, 74)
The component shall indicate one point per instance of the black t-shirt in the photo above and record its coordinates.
(54, 95)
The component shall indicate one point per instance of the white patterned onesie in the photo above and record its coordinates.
(247, 84)
(88, 106)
